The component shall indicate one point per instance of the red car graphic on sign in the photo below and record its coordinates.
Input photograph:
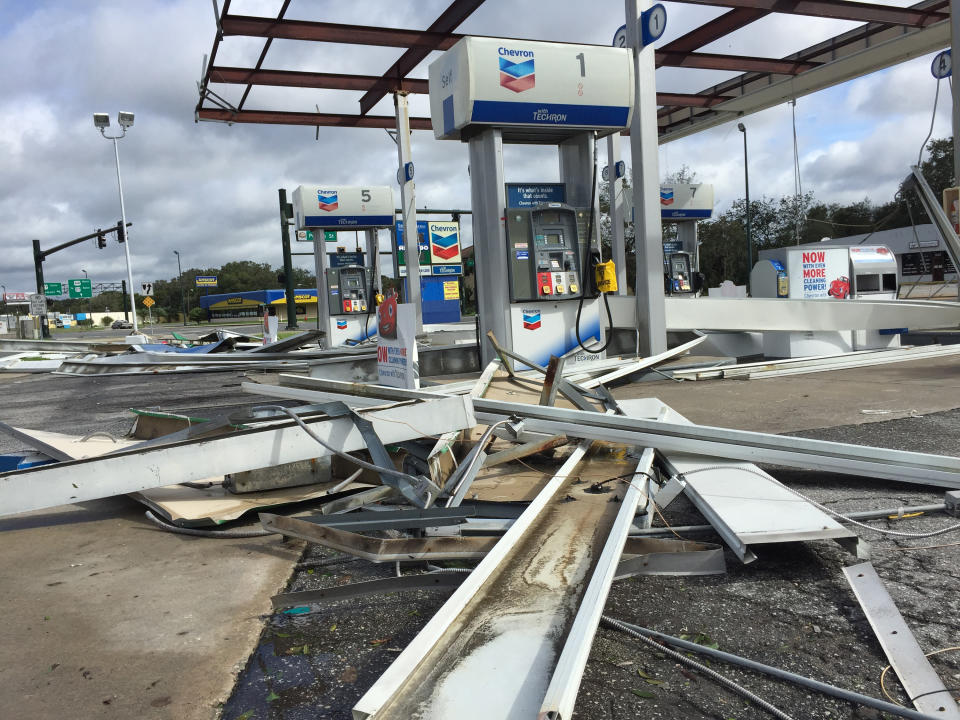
(840, 288)
(387, 318)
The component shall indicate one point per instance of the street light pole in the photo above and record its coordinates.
(125, 119)
(183, 305)
(746, 182)
(89, 300)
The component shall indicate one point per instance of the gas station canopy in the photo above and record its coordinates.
(889, 35)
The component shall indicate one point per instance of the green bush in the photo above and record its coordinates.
(86, 322)
(106, 321)
(197, 315)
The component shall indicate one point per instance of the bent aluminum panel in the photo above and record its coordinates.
(134, 470)
(561, 694)
(393, 682)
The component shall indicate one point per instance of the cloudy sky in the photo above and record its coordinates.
(210, 190)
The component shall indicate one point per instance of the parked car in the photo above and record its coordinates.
(121, 325)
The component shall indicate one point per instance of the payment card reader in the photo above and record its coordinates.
(348, 290)
(680, 273)
(544, 253)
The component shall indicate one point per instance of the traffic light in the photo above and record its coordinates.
(121, 232)
(101, 239)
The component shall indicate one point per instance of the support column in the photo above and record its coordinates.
(323, 297)
(490, 240)
(651, 309)
(618, 244)
(286, 213)
(373, 260)
(408, 206)
(955, 95)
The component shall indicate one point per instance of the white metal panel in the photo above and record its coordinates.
(193, 461)
(758, 314)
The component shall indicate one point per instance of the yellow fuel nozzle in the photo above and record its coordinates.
(606, 276)
(377, 299)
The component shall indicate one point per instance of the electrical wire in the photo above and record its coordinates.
(797, 186)
(606, 303)
(933, 117)
(819, 506)
(892, 699)
(709, 672)
(196, 532)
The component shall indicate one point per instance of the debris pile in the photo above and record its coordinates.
(523, 495)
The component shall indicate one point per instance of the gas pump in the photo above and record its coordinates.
(347, 282)
(539, 274)
(544, 253)
(681, 275)
(684, 205)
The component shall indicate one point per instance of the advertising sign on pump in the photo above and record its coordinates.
(343, 208)
(502, 83)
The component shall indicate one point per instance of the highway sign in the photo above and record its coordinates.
(38, 304)
(149, 301)
(54, 289)
(80, 288)
(146, 288)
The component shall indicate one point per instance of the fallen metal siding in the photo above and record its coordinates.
(196, 460)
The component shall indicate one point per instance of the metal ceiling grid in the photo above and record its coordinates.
(889, 35)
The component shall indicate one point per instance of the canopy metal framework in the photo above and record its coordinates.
(889, 35)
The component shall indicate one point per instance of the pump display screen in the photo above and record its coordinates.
(554, 239)
(353, 282)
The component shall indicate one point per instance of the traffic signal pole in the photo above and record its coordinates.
(40, 255)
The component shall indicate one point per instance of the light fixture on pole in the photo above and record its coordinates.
(746, 183)
(183, 304)
(125, 119)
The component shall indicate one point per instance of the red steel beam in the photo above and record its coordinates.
(737, 63)
(714, 30)
(280, 117)
(689, 100)
(449, 19)
(263, 55)
(335, 32)
(836, 9)
(325, 81)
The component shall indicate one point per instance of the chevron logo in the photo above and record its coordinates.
(341, 324)
(445, 246)
(517, 76)
(327, 200)
(666, 196)
(531, 320)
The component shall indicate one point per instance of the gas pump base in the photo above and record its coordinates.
(541, 329)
